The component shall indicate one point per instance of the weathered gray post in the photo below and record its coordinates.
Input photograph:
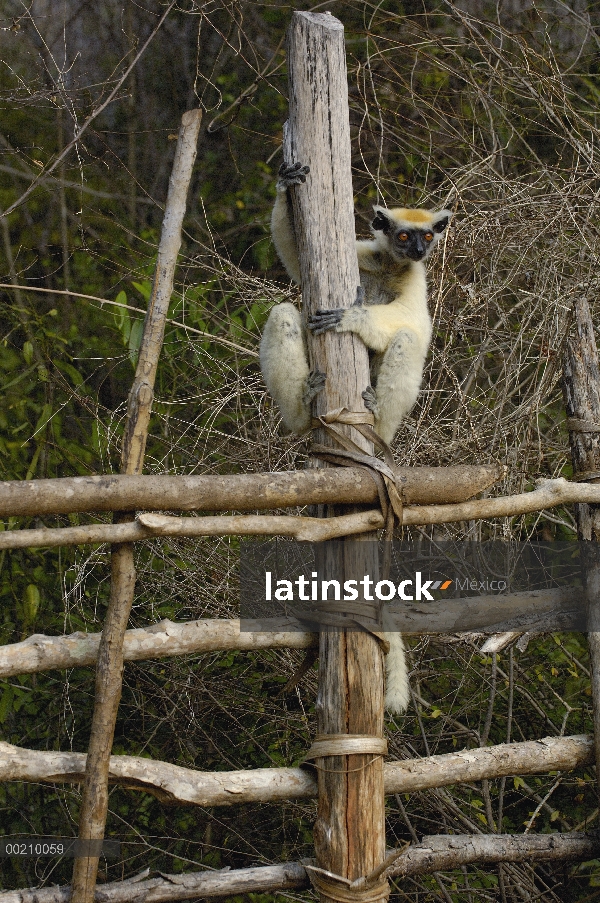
(350, 829)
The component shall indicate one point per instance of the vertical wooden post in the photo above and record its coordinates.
(349, 832)
(581, 386)
(109, 670)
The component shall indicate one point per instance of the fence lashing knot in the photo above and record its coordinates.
(364, 615)
(351, 454)
(366, 889)
(345, 745)
(342, 890)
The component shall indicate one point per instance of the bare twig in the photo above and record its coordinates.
(94, 115)
(303, 529)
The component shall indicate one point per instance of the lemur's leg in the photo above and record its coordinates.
(284, 365)
(397, 691)
(282, 229)
(398, 383)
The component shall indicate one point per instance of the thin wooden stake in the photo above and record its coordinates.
(349, 833)
(109, 671)
(581, 385)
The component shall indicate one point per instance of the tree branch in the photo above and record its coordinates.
(174, 784)
(165, 638)
(435, 853)
(239, 492)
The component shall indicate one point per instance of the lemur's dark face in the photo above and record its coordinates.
(412, 243)
(408, 241)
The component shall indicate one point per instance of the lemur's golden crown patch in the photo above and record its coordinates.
(411, 216)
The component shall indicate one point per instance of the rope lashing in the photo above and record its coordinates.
(366, 889)
(344, 891)
(390, 495)
(346, 745)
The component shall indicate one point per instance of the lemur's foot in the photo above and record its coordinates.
(369, 396)
(322, 320)
(360, 297)
(315, 382)
(291, 174)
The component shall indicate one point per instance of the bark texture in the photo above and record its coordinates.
(239, 492)
(109, 669)
(581, 386)
(187, 786)
(349, 833)
(441, 852)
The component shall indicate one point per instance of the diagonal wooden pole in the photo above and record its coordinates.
(109, 670)
(349, 833)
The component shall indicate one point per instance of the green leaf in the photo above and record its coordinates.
(31, 602)
(122, 318)
(43, 419)
(69, 370)
(28, 352)
(144, 288)
(135, 339)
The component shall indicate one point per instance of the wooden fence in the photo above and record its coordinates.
(352, 862)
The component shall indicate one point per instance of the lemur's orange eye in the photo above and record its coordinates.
(428, 236)
(403, 236)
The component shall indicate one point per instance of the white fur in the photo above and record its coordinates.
(282, 232)
(397, 691)
(394, 322)
(284, 365)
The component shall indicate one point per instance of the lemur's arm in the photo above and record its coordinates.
(375, 324)
(282, 229)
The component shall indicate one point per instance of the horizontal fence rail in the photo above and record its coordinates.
(238, 492)
(47, 499)
(537, 610)
(176, 784)
(432, 854)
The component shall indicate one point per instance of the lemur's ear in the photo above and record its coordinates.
(441, 220)
(381, 223)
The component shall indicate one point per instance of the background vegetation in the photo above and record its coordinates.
(487, 108)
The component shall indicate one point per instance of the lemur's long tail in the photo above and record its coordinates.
(397, 692)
